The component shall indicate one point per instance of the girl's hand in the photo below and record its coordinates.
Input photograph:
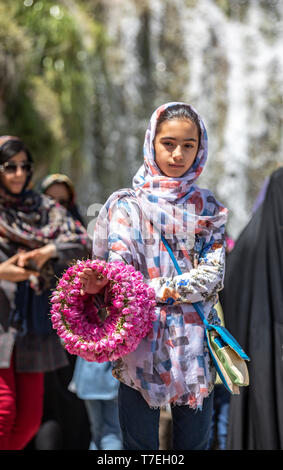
(92, 281)
(39, 256)
(9, 271)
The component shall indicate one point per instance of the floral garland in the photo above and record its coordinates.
(78, 318)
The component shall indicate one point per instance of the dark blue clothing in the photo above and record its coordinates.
(140, 423)
(220, 418)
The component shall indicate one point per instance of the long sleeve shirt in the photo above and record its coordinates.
(172, 364)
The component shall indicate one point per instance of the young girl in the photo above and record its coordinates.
(172, 364)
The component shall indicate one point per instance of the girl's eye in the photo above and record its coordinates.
(171, 145)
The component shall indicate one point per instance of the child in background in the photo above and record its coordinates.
(94, 388)
(94, 383)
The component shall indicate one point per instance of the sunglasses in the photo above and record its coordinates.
(11, 167)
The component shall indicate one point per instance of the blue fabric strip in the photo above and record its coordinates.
(197, 305)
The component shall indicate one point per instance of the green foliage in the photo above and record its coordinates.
(46, 48)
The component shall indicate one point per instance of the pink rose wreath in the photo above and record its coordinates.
(128, 305)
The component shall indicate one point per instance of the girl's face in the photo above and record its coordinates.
(14, 172)
(60, 193)
(176, 146)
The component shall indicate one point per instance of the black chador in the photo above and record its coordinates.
(252, 302)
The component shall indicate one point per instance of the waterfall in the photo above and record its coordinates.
(224, 60)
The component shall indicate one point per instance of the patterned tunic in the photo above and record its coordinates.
(172, 363)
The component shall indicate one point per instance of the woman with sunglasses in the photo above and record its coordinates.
(63, 412)
(36, 234)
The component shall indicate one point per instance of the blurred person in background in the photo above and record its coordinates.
(252, 302)
(44, 238)
(61, 188)
(63, 412)
(93, 385)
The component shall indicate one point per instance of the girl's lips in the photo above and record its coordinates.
(176, 166)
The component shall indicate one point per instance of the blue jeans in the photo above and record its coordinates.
(220, 417)
(104, 421)
(140, 423)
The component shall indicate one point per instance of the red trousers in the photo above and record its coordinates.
(21, 405)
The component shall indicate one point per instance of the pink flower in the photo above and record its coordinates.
(118, 303)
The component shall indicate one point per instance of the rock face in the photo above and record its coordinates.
(224, 58)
